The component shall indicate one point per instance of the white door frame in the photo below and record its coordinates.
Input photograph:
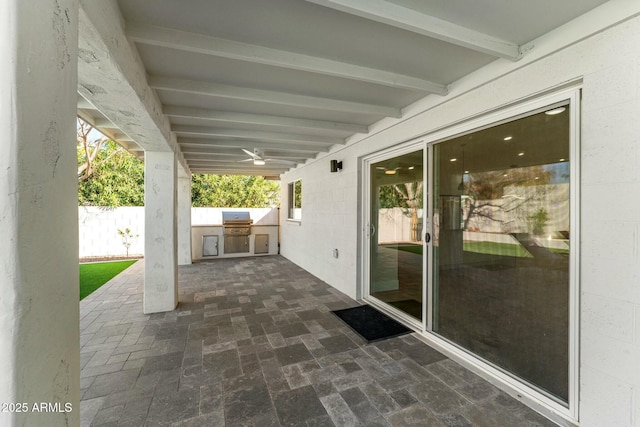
(555, 410)
(367, 161)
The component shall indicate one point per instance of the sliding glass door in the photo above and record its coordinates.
(472, 238)
(502, 248)
(396, 222)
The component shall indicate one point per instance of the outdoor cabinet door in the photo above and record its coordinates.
(262, 244)
(209, 246)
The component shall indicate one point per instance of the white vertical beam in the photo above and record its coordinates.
(184, 216)
(160, 246)
(39, 292)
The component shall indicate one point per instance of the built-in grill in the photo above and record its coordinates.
(236, 230)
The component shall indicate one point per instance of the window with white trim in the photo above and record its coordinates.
(295, 200)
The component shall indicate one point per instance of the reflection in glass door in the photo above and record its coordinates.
(396, 222)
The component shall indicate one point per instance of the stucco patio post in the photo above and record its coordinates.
(184, 216)
(161, 243)
(39, 293)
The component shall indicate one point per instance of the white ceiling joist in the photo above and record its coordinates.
(273, 167)
(268, 174)
(237, 152)
(241, 163)
(105, 123)
(239, 159)
(273, 164)
(198, 142)
(122, 137)
(427, 25)
(131, 147)
(260, 119)
(84, 104)
(255, 135)
(272, 176)
(267, 96)
(199, 43)
(199, 154)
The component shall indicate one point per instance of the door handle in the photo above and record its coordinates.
(372, 229)
(427, 237)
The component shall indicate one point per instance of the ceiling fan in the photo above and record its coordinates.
(258, 158)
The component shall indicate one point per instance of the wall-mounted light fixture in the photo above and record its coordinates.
(336, 166)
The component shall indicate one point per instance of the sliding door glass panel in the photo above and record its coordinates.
(396, 232)
(501, 243)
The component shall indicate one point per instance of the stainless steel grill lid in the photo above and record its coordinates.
(236, 218)
(236, 223)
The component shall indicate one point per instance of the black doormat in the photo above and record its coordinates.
(371, 324)
(409, 306)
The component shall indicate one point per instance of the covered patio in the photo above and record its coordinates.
(253, 342)
(465, 104)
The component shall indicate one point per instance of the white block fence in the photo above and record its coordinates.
(98, 227)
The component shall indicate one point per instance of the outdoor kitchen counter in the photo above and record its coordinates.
(263, 240)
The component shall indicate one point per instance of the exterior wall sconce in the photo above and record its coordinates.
(336, 166)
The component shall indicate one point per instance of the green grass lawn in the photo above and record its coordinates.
(495, 248)
(414, 249)
(94, 275)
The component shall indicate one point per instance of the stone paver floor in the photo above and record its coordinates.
(253, 342)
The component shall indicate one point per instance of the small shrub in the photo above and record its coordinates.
(127, 238)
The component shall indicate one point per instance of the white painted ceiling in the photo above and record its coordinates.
(292, 78)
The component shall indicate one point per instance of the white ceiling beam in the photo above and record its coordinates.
(207, 45)
(130, 146)
(426, 25)
(106, 128)
(213, 155)
(255, 135)
(232, 161)
(221, 143)
(84, 115)
(239, 165)
(273, 168)
(274, 175)
(253, 170)
(198, 152)
(84, 104)
(105, 123)
(261, 119)
(212, 150)
(269, 97)
(122, 137)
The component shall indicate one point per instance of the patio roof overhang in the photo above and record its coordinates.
(288, 80)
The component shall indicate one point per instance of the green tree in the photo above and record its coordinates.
(233, 191)
(407, 196)
(108, 175)
(118, 179)
(538, 221)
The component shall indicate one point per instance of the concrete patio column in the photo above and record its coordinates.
(184, 216)
(161, 244)
(39, 310)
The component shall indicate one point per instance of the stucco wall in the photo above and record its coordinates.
(609, 65)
